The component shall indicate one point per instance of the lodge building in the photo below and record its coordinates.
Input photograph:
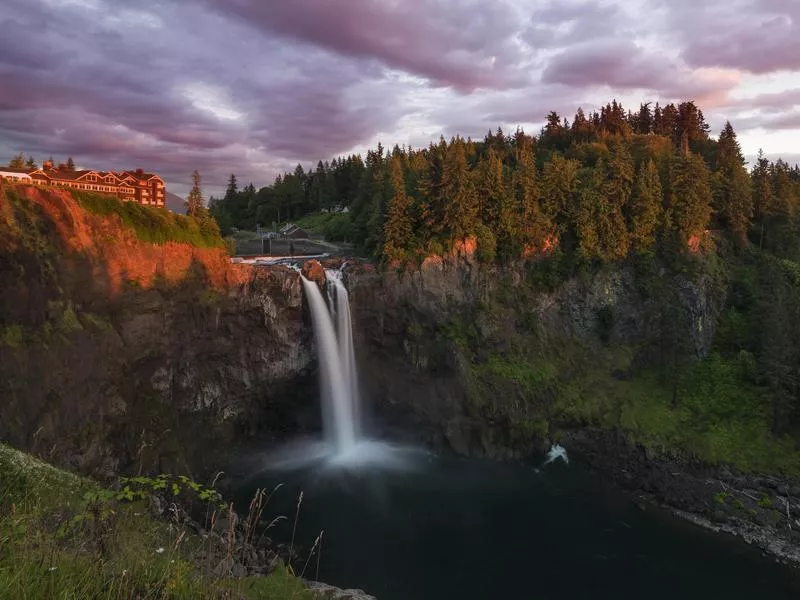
(130, 186)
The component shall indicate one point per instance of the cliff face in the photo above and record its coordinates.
(493, 362)
(121, 355)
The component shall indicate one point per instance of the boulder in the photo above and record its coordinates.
(313, 271)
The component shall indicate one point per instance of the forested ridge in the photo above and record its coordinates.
(652, 191)
(603, 186)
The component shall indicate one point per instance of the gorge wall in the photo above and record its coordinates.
(501, 362)
(119, 355)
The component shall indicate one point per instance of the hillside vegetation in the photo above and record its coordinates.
(648, 190)
(62, 536)
(151, 224)
(606, 186)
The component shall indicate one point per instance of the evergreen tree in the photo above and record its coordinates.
(780, 215)
(646, 207)
(491, 188)
(194, 201)
(559, 193)
(619, 182)
(31, 163)
(690, 197)
(644, 120)
(397, 231)
(601, 224)
(733, 198)
(554, 136)
(18, 162)
(457, 194)
(530, 228)
(217, 209)
(658, 121)
(762, 186)
(232, 189)
(70, 164)
(582, 128)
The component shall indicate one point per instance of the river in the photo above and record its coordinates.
(467, 529)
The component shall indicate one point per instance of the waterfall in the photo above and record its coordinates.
(340, 308)
(337, 365)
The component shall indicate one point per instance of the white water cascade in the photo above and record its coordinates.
(337, 365)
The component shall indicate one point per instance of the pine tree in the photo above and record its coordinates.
(194, 201)
(619, 183)
(559, 192)
(531, 228)
(70, 164)
(232, 189)
(601, 224)
(457, 194)
(491, 188)
(690, 197)
(644, 120)
(582, 128)
(733, 197)
(646, 207)
(18, 162)
(554, 135)
(31, 163)
(397, 230)
(780, 215)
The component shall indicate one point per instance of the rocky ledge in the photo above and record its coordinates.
(323, 591)
(763, 511)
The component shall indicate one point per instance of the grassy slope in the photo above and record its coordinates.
(334, 226)
(57, 540)
(154, 225)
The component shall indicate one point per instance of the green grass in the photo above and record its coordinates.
(151, 224)
(527, 373)
(61, 537)
(62, 321)
(710, 410)
(336, 227)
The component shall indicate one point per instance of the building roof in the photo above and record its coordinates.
(132, 179)
(139, 175)
(4, 172)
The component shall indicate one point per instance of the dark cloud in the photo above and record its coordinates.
(139, 99)
(560, 23)
(757, 36)
(256, 86)
(466, 46)
(615, 63)
(769, 101)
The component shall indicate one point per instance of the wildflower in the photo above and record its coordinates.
(51, 569)
(159, 550)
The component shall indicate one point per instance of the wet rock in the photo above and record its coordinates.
(323, 591)
(313, 271)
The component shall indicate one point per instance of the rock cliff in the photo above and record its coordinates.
(120, 355)
(487, 360)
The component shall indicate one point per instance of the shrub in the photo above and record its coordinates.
(154, 225)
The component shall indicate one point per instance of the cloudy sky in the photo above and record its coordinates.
(256, 86)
